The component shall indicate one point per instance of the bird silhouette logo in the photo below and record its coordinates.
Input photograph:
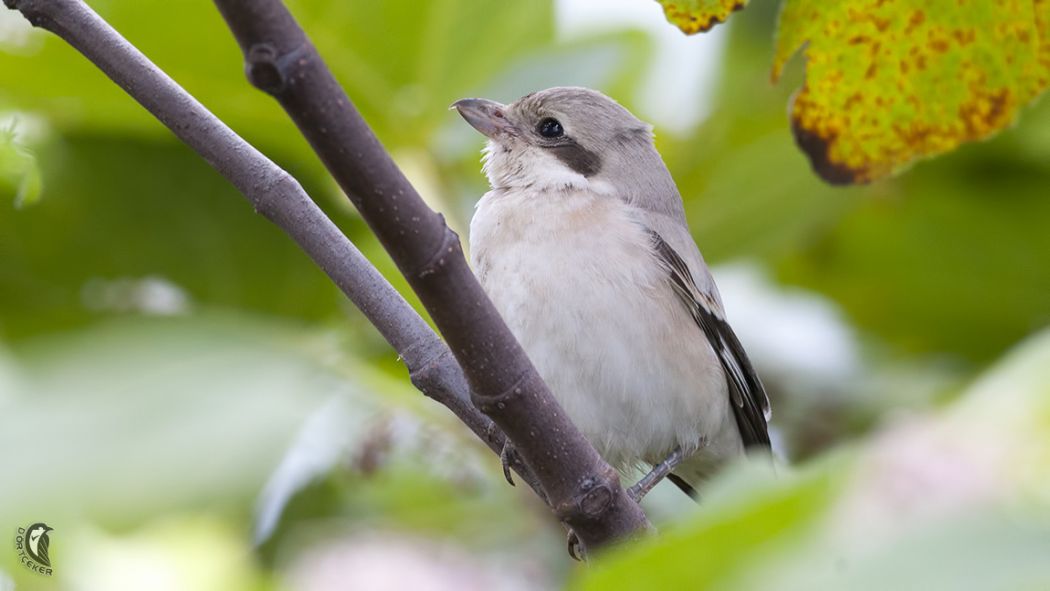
(37, 542)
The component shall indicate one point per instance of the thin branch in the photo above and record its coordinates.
(583, 490)
(277, 196)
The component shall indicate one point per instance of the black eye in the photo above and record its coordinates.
(550, 128)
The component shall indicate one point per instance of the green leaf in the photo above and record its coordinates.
(744, 518)
(149, 415)
(888, 83)
(697, 16)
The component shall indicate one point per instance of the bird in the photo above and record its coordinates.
(38, 541)
(582, 245)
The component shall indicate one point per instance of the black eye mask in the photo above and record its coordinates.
(578, 158)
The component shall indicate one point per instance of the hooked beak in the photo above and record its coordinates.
(485, 116)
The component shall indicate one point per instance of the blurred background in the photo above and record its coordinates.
(191, 404)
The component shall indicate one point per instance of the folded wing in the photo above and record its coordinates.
(749, 400)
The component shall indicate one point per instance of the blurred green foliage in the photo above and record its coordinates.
(168, 428)
(930, 504)
(19, 174)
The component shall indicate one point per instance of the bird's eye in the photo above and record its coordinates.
(550, 128)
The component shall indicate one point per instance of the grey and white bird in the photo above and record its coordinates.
(582, 245)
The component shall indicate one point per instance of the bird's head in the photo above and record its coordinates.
(565, 137)
(38, 529)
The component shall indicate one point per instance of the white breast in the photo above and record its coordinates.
(573, 275)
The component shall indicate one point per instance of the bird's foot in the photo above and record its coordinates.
(509, 457)
(658, 473)
(575, 547)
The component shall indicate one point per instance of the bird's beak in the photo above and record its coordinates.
(486, 116)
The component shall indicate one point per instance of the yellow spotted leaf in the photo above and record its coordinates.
(891, 81)
(697, 16)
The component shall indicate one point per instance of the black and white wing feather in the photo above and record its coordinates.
(749, 401)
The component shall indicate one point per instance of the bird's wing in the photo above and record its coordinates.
(749, 401)
(41, 550)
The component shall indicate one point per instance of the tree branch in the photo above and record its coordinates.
(278, 197)
(582, 489)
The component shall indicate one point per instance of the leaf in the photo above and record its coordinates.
(888, 83)
(142, 416)
(748, 514)
(697, 16)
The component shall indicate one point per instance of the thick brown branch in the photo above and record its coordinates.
(278, 197)
(583, 489)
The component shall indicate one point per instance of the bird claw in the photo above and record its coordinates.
(575, 548)
(508, 456)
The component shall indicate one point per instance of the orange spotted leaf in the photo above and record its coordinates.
(891, 81)
(697, 16)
